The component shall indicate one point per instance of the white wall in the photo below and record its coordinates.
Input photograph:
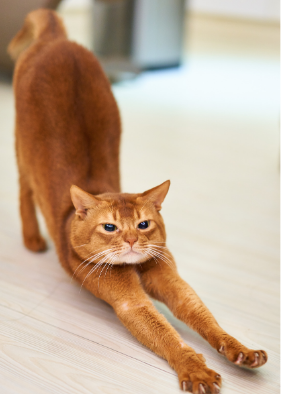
(266, 10)
(75, 4)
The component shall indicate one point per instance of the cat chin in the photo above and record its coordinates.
(132, 258)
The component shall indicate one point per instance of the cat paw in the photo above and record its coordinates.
(242, 356)
(35, 244)
(203, 381)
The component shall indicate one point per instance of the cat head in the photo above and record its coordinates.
(118, 228)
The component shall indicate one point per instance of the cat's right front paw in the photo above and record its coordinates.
(201, 381)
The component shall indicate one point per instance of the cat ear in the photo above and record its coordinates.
(157, 195)
(82, 201)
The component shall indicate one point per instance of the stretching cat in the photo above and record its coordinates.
(68, 132)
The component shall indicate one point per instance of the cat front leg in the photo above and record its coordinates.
(163, 283)
(138, 314)
(121, 288)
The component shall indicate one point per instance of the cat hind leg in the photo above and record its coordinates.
(30, 228)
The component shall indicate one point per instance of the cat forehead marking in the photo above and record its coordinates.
(126, 210)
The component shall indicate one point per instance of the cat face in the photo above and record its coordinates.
(118, 228)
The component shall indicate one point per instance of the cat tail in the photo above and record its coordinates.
(41, 24)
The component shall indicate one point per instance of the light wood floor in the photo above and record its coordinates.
(212, 128)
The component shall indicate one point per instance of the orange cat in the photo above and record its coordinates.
(67, 133)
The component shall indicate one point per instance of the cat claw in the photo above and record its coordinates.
(256, 362)
(221, 350)
(239, 359)
(201, 389)
(241, 356)
(217, 387)
(205, 381)
(186, 386)
(264, 355)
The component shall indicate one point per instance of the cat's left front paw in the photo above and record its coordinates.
(242, 356)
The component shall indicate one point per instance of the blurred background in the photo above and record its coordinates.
(197, 84)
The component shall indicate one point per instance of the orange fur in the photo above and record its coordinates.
(67, 133)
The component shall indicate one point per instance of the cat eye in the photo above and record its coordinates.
(144, 225)
(109, 227)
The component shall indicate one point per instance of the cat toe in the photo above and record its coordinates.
(246, 358)
(201, 389)
(240, 359)
(256, 361)
(221, 350)
(216, 387)
(186, 386)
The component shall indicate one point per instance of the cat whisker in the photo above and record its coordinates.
(105, 253)
(111, 258)
(110, 255)
(162, 257)
(93, 258)
(109, 264)
(96, 266)
(79, 246)
(90, 272)
(79, 267)
(160, 253)
(158, 246)
(168, 262)
(148, 254)
(100, 275)
(88, 257)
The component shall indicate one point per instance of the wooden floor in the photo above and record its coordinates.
(212, 128)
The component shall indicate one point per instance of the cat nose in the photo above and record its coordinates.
(131, 240)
